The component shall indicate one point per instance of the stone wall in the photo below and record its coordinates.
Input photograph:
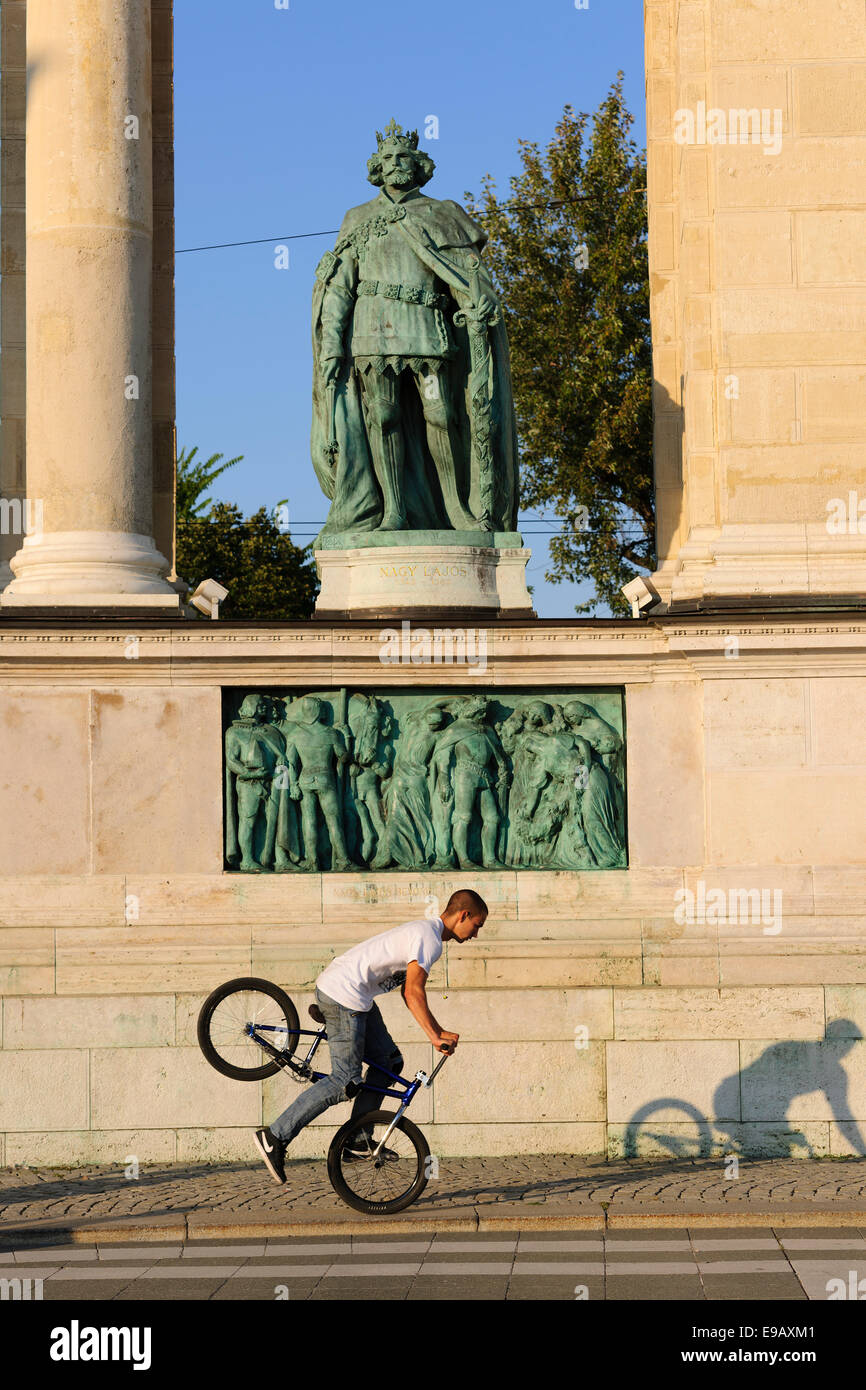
(589, 997)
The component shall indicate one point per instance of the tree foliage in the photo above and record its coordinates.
(568, 250)
(193, 478)
(267, 576)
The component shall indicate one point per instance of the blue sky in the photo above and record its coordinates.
(276, 113)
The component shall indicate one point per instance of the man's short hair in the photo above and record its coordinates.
(466, 900)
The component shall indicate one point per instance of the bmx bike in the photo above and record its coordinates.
(378, 1163)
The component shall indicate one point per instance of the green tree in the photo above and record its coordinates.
(193, 478)
(568, 251)
(266, 575)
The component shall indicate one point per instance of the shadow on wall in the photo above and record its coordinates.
(668, 471)
(751, 1106)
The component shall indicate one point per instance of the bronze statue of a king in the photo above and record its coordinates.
(413, 418)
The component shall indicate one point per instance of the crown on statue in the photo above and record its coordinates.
(395, 135)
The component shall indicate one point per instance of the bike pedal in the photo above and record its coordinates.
(359, 1155)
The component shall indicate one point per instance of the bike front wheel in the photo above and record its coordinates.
(384, 1185)
(224, 1021)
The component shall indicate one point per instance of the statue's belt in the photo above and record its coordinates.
(470, 765)
(410, 294)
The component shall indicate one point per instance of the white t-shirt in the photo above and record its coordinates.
(379, 965)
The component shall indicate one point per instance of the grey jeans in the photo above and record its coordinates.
(352, 1039)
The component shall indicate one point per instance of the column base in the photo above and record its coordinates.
(399, 581)
(763, 560)
(90, 569)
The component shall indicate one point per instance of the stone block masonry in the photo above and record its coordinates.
(708, 998)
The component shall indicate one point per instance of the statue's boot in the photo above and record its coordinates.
(382, 858)
(339, 854)
(442, 447)
(446, 449)
(390, 451)
(489, 831)
(461, 843)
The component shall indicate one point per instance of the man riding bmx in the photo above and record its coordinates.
(401, 958)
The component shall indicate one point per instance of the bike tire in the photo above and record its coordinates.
(248, 985)
(343, 1187)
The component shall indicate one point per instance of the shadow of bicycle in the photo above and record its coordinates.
(750, 1106)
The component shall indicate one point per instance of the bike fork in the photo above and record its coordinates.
(421, 1079)
(387, 1135)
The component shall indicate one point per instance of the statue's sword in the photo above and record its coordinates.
(479, 388)
(332, 448)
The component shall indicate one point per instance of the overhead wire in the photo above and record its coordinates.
(299, 236)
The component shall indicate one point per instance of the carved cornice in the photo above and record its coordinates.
(607, 652)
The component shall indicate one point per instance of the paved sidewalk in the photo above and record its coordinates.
(561, 1192)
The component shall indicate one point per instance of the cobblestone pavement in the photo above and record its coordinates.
(525, 1186)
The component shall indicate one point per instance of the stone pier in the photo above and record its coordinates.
(89, 313)
(757, 209)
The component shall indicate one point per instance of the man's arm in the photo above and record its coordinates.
(340, 739)
(415, 998)
(498, 753)
(293, 763)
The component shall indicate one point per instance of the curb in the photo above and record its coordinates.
(509, 1217)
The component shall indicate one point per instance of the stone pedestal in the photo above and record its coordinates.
(399, 581)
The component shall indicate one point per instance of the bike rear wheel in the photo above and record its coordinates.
(225, 1016)
(379, 1187)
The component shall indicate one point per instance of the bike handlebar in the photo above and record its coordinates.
(438, 1065)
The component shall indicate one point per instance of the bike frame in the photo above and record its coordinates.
(304, 1069)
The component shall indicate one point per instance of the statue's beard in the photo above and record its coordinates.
(401, 178)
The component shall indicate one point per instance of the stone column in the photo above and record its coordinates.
(164, 441)
(89, 167)
(13, 64)
(757, 210)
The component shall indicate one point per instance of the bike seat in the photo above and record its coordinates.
(316, 1013)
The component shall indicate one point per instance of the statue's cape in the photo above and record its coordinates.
(445, 237)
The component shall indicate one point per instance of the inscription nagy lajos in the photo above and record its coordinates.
(340, 780)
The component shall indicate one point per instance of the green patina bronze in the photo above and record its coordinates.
(330, 780)
(413, 417)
